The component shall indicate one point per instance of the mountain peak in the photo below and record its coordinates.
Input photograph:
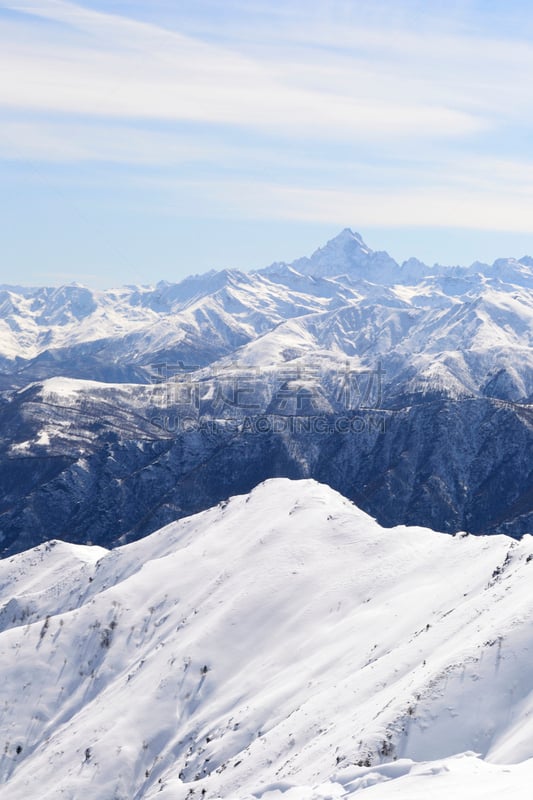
(348, 254)
(347, 238)
(347, 235)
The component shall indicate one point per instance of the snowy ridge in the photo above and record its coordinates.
(279, 645)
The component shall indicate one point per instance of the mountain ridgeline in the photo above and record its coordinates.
(281, 645)
(407, 388)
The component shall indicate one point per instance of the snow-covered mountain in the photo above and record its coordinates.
(108, 335)
(458, 331)
(280, 646)
(349, 256)
(408, 389)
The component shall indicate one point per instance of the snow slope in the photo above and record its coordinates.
(279, 646)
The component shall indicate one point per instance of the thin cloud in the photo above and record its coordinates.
(69, 142)
(137, 70)
(431, 207)
(390, 127)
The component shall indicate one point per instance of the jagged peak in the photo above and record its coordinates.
(349, 234)
(347, 237)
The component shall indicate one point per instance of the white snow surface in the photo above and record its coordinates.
(280, 646)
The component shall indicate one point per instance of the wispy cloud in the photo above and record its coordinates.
(430, 207)
(137, 70)
(465, 201)
(70, 141)
(375, 113)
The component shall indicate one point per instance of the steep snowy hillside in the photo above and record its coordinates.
(280, 645)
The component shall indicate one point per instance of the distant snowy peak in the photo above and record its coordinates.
(347, 257)
(344, 250)
(346, 254)
(518, 272)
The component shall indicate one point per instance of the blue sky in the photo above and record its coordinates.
(149, 140)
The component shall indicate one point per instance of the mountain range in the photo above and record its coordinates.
(406, 387)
